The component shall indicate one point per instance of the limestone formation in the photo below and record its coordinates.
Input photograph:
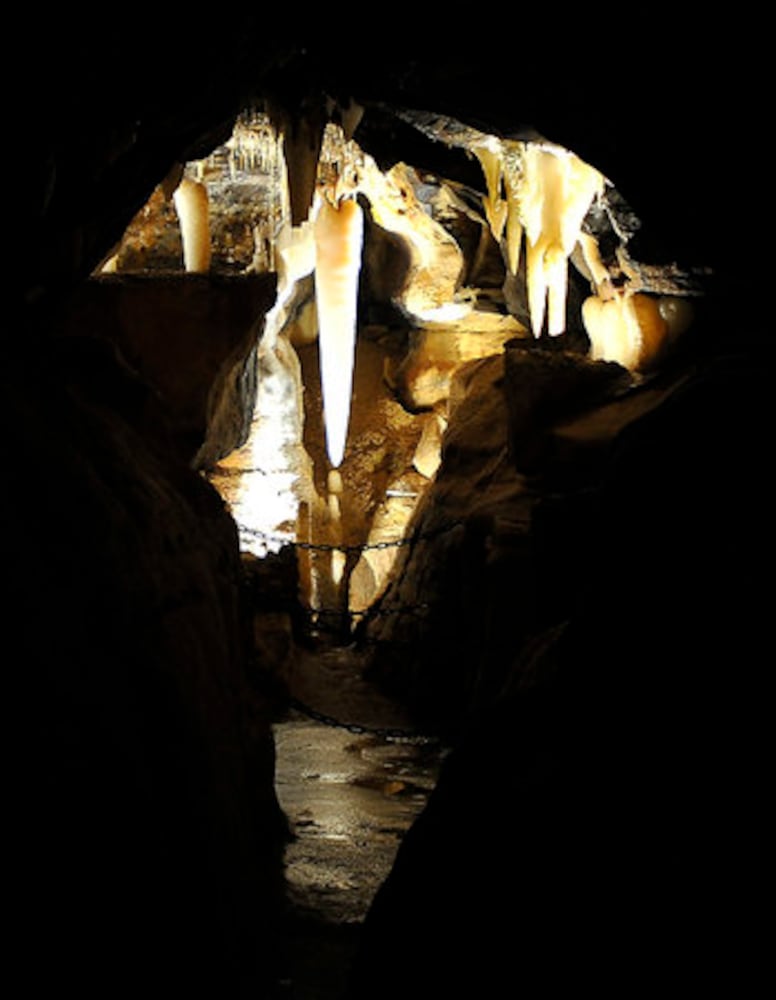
(192, 205)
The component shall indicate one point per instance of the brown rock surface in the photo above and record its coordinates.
(192, 339)
(147, 840)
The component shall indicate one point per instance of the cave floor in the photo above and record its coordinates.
(349, 797)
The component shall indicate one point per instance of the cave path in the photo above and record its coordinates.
(349, 798)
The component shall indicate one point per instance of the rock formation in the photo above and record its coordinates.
(583, 535)
(146, 839)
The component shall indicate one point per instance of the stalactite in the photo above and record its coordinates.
(349, 115)
(338, 244)
(513, 178)
(295, 253)
(591, 255)
(302, 134)
(542, 192)
(489, 154)
(192, 205)
(557, 193)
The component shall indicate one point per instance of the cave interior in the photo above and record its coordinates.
(541, 507)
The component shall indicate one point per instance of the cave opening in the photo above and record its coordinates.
(514, 310)
(440, 275)
(525, 554)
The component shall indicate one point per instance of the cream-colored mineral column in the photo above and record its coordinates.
(634, 329)
(338, 241)
(192, 205)
(334, 491)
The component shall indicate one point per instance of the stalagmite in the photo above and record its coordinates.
(338, 241)
(514, 236)
(634, 329)
(333, 501)
(191, 204)
(295, 253)
(613, 330)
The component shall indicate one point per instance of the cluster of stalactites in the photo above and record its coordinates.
(539, 195)
(253, 146)
(324, 234)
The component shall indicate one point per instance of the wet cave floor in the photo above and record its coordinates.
(349, 798)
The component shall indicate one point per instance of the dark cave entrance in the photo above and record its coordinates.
(381, 588)
(512, 512)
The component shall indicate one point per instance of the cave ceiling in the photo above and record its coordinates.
(109, 108)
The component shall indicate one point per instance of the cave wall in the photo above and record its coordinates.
(146, 837)
(192, 339)
(602, 824)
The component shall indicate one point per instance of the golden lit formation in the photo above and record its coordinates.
(541, 193)
(540, 207)
(339, 231)
(537, 196)
(191, 204)
(634, 329)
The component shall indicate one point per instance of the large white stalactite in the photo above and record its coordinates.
(339, 231)
(330, 243)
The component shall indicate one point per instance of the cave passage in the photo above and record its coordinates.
(438, 376)
(388, 435)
